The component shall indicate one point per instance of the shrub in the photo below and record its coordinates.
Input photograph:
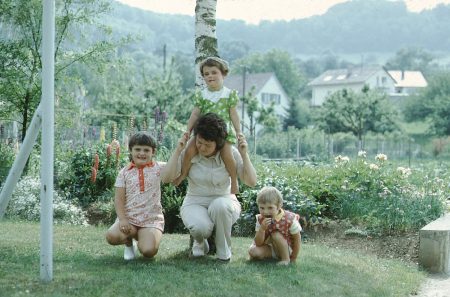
(171, 199)
(6, 160)
(383, 197)
(90, 172)
(295, 199)
(102, 211)
(25, 204)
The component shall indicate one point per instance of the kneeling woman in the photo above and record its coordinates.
(208, 204)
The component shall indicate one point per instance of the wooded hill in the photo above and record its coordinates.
(354, 27)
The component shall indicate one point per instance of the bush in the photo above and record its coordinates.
(86, 180)
(102, 211)
(6, 160)
(171, 200)
(25, 204)
(379, 195)
(295, 199)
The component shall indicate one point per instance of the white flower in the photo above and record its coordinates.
(373, 166)
(362, 154)
(381, 157)
(341, 159)
(26, 204)
(404, 171)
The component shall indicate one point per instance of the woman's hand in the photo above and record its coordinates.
(182, 141)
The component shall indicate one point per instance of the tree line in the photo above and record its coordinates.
(107, 85)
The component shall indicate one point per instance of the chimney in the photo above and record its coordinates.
(349, 72)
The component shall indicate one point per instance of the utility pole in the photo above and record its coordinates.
(243, 98)
(164, 57)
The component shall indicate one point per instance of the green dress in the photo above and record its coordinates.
(220, 103)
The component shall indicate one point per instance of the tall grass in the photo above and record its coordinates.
(85, 265)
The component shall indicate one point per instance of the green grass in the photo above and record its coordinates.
(85, 265)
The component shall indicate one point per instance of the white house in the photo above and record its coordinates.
(354, 79)
(265, 87)
(407, 83)
(395, 83)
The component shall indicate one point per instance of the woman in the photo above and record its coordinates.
(208, 204)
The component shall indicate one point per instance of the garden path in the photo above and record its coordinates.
(435, 286)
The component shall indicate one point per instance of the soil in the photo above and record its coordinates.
(403, 246)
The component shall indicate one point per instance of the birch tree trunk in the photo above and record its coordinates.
(205, 34)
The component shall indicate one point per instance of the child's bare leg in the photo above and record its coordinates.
(281, 248)
(191, 151)
(148, 241)
(230, 164)
(260, 252)
(115, 236)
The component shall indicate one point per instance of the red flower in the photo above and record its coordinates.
(117, 152)
(93, 175)
(96, 161)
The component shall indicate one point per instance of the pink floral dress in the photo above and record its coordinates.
(143, 194)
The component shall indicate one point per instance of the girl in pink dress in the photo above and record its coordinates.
(138, 198)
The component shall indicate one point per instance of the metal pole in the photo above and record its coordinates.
(164, 58)
(48, 75)
(21, 159)
(243, 98)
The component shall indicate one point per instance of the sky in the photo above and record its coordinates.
(253, 11)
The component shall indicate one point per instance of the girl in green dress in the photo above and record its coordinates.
(218, 99)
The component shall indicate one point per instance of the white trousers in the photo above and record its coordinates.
(201, 214)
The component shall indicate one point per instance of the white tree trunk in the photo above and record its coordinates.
(205, 34)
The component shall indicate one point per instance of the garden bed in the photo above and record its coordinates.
(404, 246)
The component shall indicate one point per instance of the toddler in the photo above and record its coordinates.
(218, 99)
(277, 230)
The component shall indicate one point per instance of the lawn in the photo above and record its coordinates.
(85, 265)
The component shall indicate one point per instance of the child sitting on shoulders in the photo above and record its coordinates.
(218, 99)
(277, 230)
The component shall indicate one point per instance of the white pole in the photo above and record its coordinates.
(48, 74)
(21, 159)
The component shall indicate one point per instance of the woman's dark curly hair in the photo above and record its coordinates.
(211, 127)
(141, 138)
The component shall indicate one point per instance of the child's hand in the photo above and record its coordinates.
(124, 226)
(265, 223)
(242, 143)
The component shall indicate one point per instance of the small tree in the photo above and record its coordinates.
(20, 56)
(357, 113)
(433, 104)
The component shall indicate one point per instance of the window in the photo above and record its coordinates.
(267, 98)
